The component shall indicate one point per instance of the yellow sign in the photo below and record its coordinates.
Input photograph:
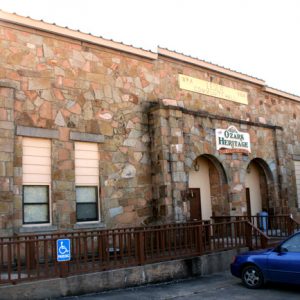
(211, 89)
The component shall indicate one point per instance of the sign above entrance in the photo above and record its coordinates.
(211, 89)
(231, 140)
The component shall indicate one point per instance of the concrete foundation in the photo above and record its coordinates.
(120, 278)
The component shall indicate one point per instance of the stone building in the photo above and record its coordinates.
(95, 133)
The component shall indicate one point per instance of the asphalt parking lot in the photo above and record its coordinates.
(218, 286)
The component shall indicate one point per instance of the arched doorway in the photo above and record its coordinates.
(208, 189)
(256, 184)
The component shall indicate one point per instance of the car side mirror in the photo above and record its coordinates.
(281, 249)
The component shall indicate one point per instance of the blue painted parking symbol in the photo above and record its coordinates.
(63, 247)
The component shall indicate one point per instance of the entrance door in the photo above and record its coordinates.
(248, 202)
(253, 190)
(195, 204)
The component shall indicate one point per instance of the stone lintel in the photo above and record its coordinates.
(205, 114)
(37, 132)
(36, 229)
(296, 157)
(6, 83)
(89, 225)
(86, 137)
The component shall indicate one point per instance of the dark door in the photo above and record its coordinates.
(195, 204)
(248, 203)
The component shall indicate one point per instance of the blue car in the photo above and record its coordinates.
(280, 264)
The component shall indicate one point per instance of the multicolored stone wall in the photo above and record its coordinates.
(67, 87)
(6, 156)
(183, 136)
(71, 87)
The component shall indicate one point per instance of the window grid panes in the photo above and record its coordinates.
(35, 204)
(86, 203)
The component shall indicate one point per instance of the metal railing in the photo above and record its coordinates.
(34, 257)
(279, 226)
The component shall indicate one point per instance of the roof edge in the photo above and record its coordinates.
(210, 66)
(281, 93)
(67, 32)
(85, 37)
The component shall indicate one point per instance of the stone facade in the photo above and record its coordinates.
(150, 132)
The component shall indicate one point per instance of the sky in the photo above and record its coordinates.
(260, 38)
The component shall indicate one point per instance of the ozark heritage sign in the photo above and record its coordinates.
(231, 140)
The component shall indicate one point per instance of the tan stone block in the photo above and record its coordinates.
(113, 203)
(63, 186)
(17, 181)
(6, 145)
(104, 156)
(106, 129)
(4, 156)
(126, 218)
(142, 203)
(15, 58)
(144, 179)
(95, 77)
(4, 207)
(28, 105)
(66, 165)
(143, 212)
(129, 208)
(9, 169)
(2, 169)
(39, 83)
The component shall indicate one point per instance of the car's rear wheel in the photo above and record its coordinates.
(252, 277)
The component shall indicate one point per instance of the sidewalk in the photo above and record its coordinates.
(221, 286)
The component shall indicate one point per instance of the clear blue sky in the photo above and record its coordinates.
(256, 37)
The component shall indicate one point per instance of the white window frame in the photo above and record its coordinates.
(87, 160)
(297, 177)
(34, 178)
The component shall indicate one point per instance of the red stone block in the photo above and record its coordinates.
(9, 35)
(45, 110)
(3, 114)
(67, 82)
(39, 52)
(32, 95)
(63, 154)
(58, 94)
(64, 134)
(76, 109)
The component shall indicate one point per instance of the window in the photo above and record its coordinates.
(292, 244)
(297, 173)
(86, 203)
(87, 178)
(36, 180)
(36, 208)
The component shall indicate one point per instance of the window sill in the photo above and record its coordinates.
(36, 229)
(88, 225)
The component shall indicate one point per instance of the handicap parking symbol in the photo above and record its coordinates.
(63, 248)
